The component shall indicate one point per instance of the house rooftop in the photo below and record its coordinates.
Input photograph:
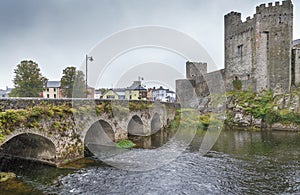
(169, 91)
(137, 85)
(120, 93)
(119, 90)
(53, 84)
(296, 43)
(98, 92)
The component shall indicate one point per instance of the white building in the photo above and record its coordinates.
(163, 95)
(4, 93)
(98, 94)
(52, 90)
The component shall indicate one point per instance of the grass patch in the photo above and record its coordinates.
(125, 144)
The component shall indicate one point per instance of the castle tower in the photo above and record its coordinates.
(259, 49)
(195, 71)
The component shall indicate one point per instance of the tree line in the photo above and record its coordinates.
(29, 81)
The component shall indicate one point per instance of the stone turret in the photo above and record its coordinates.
(260, 48)
(195, 69)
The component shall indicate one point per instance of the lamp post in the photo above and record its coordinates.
(87, 58)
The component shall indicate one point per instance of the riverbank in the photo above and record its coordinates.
(255, 111)
(264, 110)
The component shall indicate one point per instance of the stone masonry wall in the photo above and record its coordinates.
(260, 47)
(296, 65)
(65, 122)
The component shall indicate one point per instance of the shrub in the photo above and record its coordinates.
(237, 85)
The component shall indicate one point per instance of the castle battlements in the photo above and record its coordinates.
(258, 52)
(259, 47)
(270, 7)
(266, 15)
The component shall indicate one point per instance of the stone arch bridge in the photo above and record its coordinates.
(56, 131)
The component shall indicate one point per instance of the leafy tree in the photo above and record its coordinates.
(28, 80)
(73, 83)
(103, 90)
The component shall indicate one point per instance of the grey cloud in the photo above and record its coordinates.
(58, 33)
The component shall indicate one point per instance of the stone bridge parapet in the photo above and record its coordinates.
(56, 131)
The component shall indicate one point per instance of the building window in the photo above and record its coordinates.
(48, 96)
(47, 89)
(111, 97)
(130, 97)
(54, 95)
(54, 89)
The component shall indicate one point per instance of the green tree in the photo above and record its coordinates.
(73, 83)
(103, 90)
(28, 80)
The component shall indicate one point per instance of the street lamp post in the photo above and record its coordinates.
(87, 58)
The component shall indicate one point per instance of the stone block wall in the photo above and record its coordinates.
(260, 47)
(66, 126)
(185, 91)
(296, 66)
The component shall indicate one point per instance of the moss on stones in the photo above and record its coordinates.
(269, 107)
(33, 118)
(125, 144)
(4, 176)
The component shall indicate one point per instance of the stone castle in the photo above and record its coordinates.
(260, 52)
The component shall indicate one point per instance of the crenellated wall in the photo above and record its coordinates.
(258, 51)
(260, 48)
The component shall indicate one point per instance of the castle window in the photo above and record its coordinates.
(240, 50)
(268, 39)
(280, 21)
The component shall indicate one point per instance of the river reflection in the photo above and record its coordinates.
(240, 162)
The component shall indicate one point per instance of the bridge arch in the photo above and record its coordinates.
(99, 132)
(156, 123)
(29, 146)
(135, 126)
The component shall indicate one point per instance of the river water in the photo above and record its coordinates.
(240, 162)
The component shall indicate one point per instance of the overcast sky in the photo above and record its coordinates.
(58, 33)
